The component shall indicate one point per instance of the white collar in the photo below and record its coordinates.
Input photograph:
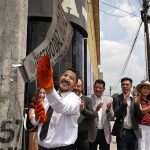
(98, 98)
(129, 95)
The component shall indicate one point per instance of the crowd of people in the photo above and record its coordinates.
(69, 120)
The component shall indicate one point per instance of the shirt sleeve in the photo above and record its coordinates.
(70, 104)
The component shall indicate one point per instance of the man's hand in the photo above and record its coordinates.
(126, 97)
(40, 113)
(137, 99)
(82, 105)
(45, 73)
(109, 106)
(99, 106)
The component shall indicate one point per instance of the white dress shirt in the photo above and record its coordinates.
(100, 113)
(127, 119)
(63, 126)
(105, 100)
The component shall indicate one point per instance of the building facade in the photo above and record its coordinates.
(24, 24)
(84, 51)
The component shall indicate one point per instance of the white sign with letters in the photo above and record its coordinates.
(56, 43)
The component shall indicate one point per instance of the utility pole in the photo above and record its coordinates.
(145, 19)
(13, 31)
(110, 90)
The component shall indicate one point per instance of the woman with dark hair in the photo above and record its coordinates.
(144, 124)
(39, 94)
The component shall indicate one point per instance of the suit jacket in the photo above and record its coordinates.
(120, 110)
(85, 116)
(107, 116)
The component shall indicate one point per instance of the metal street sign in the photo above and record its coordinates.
(56, 43)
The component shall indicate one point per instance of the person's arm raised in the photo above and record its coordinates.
(45, 73)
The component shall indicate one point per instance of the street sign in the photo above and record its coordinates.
(56, 43)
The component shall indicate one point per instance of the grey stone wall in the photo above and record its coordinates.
(13, 32)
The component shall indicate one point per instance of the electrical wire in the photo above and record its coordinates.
(139, 2)
(136, 5)
(118, 9)
(132, 9)
(130, 5)
(111, 14)
(127, 59)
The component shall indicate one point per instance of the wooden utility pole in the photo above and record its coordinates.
(145, 19)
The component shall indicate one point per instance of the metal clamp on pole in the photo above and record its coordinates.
(22, 71)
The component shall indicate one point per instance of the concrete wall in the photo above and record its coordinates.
(13, 30)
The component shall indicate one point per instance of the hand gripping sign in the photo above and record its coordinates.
(55, 45)
(53, 48)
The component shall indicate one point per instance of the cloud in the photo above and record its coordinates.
(113, 52)
(113, 56)
(118, 34)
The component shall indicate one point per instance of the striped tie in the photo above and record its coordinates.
(45, 126)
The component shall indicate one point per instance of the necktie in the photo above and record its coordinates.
(45, 126)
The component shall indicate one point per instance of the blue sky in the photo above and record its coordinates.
(118, 31)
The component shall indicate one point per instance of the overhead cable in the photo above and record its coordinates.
(139, 2)
(118, 8)
(135, 4)
(127, 59)
(111, 14)
(132, 9)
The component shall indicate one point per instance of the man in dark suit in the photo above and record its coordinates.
(126, 112)
(86, 113)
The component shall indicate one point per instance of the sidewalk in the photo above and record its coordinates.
(113, 145)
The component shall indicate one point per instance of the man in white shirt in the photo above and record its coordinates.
(99, 128)
(126, 112)
(63, 126)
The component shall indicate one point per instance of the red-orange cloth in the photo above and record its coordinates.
(45, 73)
(40, 112)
